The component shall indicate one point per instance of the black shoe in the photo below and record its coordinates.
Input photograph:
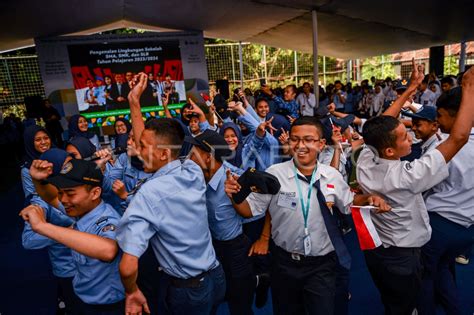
(261, 292)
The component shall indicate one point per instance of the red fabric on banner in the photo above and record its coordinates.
(365, 239)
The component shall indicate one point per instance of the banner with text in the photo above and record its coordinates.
(90, 74)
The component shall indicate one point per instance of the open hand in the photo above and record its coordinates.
(136, 304)
(263, 127)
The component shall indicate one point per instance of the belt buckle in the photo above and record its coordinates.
(295, 256)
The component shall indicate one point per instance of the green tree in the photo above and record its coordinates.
(451, 65)
(375, 67)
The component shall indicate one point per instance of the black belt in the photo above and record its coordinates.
(236, 240)
(398, 251)
(300, 257)
(193, 282)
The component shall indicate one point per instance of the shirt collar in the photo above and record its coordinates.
(216, 178)
(320, 171)
(167, 168)
(91, 217)
(430, 141)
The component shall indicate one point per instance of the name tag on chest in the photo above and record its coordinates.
(287, 200)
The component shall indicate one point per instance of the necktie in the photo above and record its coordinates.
(331, 226)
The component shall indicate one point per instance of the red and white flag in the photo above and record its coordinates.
(366, 232)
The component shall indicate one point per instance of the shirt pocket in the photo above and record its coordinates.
(287, 200)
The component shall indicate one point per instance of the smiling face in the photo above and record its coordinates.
(108, 80)
(305, 143)
(194, 125)
(42, 142)
(79, 200)
(423, 128)
(402, 145)
(120, 127)
(289, 94)
(262, 109)
(82, 124)
(152, 151)
(231, 138)
(131, 146)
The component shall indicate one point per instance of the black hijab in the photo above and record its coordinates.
(74, 130)
(29, 141)
(84, 146)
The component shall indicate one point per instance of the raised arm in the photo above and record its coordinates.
(165, 101)
(464, 120)
(87, 244)
(416, 78)
(332, 109)
(39, 171)
(138, 85)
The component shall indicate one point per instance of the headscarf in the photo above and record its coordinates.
(84, 146)
(55, 156)
(126, 122)
(121, 140)
(237, 158)
(74, 128)
(29, 141)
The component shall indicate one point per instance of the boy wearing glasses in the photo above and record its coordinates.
(308, 242)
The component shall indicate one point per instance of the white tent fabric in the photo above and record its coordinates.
(347, 29)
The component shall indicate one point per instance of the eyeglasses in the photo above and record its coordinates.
(305, 140)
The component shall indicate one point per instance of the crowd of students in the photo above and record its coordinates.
(230, 199)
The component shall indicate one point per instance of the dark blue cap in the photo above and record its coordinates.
(426, 113)
(55, 156)
(401, 85)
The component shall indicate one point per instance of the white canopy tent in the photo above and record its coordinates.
(346, 29)
(338, 28)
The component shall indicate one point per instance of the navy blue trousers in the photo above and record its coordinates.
(448, 240)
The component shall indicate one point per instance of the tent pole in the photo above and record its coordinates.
(315, 56)
(241, 64)
(296, 67)
(462, 57)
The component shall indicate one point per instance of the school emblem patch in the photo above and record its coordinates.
(108, 227)
(66, 168)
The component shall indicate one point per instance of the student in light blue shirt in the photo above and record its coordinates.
(92, 238)
(59, 255)
(286, 105)
(169, 214)
(37, 141)
(122, 177)
(231, 245)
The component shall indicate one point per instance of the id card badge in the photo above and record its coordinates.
(307, 245)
